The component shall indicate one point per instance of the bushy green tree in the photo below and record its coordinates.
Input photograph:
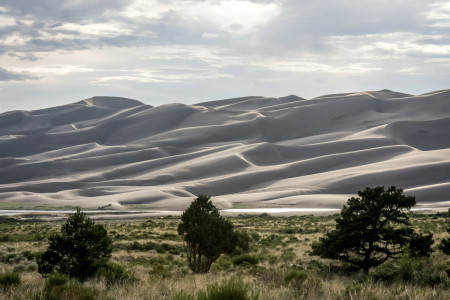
(79, 250)
(206, 234)
(372, 229)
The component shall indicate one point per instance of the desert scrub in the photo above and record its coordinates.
(59, 287)
(245, 259)
(9, 279)
(167, 276)
(231, 289)
(114, 273)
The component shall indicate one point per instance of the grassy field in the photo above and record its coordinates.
(278, 265)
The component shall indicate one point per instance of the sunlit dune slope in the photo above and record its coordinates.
(245, 152)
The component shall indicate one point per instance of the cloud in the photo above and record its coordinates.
(6, 20)
(234, 16)
(24, 56)
(164, 75)
(160, 47)
(73, 25)
(209, 35)
(394, 45)
(55, 69)
(8, 75)
(439, 14)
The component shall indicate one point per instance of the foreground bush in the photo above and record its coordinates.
(206, 234)
(59, 287)
(114, 273)
(80, 249)
(232, 289)
(9, 279)
(412, 270)
(245, 259)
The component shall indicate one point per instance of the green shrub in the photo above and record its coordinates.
(245, 259)
(8, 279)
(414, 270)
(255, 236)
(59, 287)
(295, 276)
(31, 255)
(387, 272)
(222, 264)
(306, 284)
(206, 234)
(237, 251)
(79, 250)
(161, 271)
(232, 289)
(161, 267)
(114, 273)
(288, 230)
(287, 256)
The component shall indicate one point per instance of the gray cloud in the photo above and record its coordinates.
(301, 25)
(24, 56)
(168, 48)
(7, 75)
(63, 11)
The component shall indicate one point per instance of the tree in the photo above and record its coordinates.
(444, 246)
(79, 250)
(372, 229)
(205, 233)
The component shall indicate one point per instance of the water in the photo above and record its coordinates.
(14, 212)
(278, 210)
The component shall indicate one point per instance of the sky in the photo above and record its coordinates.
(56, 52)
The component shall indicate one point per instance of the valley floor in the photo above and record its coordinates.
(278, 265)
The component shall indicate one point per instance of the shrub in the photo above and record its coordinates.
(205, 233)
(54, 285)
(31, 255)
(245, 259)
(412, 269)
(241, 240)
(222, 264)
(307, 285)
(255, 236)
(232, 289)
(8, 279)
(295, 276)
(287, 256)
(80, 249)
(114, 273)
(161, 271)
(59, 287)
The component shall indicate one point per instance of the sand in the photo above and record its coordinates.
(245, 152)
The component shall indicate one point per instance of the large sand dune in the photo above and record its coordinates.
(245, 152)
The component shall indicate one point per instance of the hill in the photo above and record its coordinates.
(247, 152)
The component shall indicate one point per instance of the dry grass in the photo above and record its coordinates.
(282, 244)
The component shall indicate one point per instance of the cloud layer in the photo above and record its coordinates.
(164, 51)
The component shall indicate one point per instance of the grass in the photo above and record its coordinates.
(148, 263)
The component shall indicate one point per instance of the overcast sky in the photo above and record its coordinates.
(55, 52)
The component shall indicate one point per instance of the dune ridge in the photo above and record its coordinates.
(245, 152)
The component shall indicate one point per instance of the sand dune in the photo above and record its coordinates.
(245, 152)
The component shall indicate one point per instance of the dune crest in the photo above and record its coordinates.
(245, 152)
